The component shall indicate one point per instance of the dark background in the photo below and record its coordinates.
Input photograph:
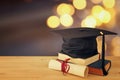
(23, 29)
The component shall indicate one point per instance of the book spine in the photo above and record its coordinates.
(99, 71)
(79, 70)
(95, 71)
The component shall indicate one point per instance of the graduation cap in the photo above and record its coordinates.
(81, 42)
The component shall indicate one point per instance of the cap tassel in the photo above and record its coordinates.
(103, 55)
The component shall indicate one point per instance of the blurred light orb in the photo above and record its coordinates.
(53, 22)
(96, 10)
(109, 3)
(113, 18)
(101, 14)
(116, 41)
(79, 4)
(104, 16)
(64, 8)
(98, 22)
(96, 1)
(112, 12)
(66, 20)
(116, 46)
(116, 51)
(89, 21)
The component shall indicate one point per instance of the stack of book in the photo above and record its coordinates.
(79, 54)
(79, 66)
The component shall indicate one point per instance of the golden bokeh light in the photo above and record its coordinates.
(96, 10)
(116, 46)
(101, 14)
(89, 21)
(79, 4)
(64, 8)
(96, 1)
(116, 51)
(109, 3)
(112, 12)
(116, 41)
(104, 16)
(112, 22)
(98, 22)
(66, 20)
(53, 22)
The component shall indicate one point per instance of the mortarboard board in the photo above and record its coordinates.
(81, 42)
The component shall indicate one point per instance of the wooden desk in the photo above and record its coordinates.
(36, 68)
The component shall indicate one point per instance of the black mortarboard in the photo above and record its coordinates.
(81, 42)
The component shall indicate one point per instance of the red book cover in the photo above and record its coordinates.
(96, 67)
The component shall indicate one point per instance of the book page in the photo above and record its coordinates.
(79, 60)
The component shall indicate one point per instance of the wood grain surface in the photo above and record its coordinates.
(36, 68)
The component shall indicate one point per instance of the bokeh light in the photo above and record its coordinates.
(98, 22)
(112, 22)
(116, 46)
(96, 1)
(79, 4)
(66, 20)
(93, 14)
(116, 51)
(53, 22)
(101, 14)
(112, 12)
(96, 10)
(104, 16)
(109, 3)
(89, 21)
(64, 8)
(116, 41)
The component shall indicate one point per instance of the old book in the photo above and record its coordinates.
(80, 61)
(79, 70)
(96, 67)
